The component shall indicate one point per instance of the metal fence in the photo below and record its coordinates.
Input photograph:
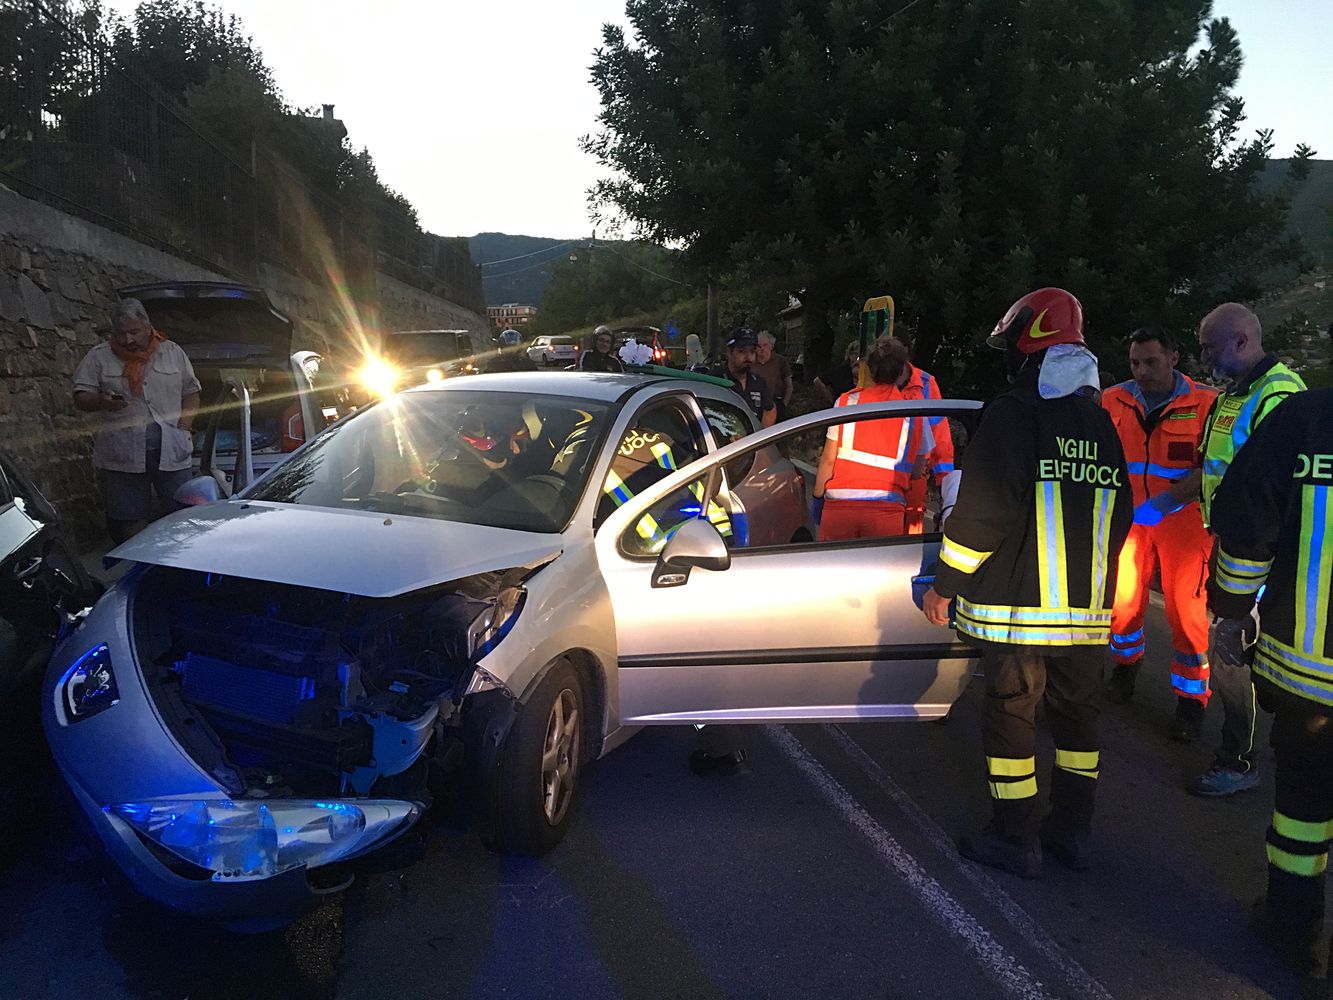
(86, 134)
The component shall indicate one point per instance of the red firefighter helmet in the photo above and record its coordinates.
(1038, 320)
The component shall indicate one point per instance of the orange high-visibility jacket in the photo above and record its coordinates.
(1165, 450)
(923, 385)
(875, 458)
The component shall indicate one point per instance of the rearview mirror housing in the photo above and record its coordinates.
(695, 543)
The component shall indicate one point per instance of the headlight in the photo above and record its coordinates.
(252, 839)
(434, 375)
(379, 376)
(493, 624)
(89, 686)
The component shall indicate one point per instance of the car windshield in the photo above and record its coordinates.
(506, 460)
(421, 348)
(562, 341)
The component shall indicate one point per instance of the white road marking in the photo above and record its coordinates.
(1002, 967)
(1075, 975)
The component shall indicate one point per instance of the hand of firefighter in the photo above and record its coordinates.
(935, 607)
(1152, 510)
(1232, 640)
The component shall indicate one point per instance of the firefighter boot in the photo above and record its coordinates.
(1187, 726)
(1296, 941)
(1067, 844)
(1120, 688)
(1016, 855)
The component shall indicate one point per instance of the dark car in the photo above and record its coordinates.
(43, 590)
(420, 356)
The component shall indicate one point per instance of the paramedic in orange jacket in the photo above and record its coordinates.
(1160, 415)
(915, 383)
(866, 467)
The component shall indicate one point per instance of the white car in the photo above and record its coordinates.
(493, 579)
(553, 351)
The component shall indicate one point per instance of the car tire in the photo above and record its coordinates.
(534, 788)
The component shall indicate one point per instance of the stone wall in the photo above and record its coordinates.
(58, 281)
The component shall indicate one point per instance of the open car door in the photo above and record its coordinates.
(711, 631)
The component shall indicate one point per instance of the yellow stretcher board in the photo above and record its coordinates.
(876, 321)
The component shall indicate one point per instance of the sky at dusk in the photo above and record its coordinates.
(474, 111)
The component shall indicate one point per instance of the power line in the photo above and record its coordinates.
(901, 10)
(656, 274)
(520, 270)
(522, 256)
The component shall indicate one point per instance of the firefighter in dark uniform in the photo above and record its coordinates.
(1030, 554)
(1273, 517)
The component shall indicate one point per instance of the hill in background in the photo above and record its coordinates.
(1312, 207)
(521, 280)
(518, 268)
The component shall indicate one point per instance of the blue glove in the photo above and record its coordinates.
(1152, 510)
(816, 508)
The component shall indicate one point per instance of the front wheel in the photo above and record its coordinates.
(533, 791)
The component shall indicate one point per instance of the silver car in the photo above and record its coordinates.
(492, 581)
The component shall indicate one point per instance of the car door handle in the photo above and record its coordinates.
(29, 570)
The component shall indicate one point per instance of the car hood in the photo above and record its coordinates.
(354, 552)
(216, 321)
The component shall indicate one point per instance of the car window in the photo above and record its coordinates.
(464, 345)
(661, 438)
(729, 423)
(772, 507)
(502, 459)
(562, 341)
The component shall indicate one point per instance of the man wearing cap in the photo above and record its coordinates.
(742, 348)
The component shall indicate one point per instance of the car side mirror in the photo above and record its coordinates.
(695, 543)
(197, 491)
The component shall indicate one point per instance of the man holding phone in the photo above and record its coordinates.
(145, 394)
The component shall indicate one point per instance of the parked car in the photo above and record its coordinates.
(488, 581)
(259, 398)
(553, 351)
(43, 591)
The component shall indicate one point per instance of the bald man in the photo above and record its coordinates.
(1231, 342)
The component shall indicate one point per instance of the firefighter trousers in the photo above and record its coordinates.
(1180, 546)
(1298, 839)
(1068, 679)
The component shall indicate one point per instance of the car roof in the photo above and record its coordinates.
(602, 387)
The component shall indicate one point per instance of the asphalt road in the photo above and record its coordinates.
(824, 868)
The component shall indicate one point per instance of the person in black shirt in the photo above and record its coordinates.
(599, 358)
(840, 378)
(741, 350)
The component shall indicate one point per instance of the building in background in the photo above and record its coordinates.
(511, 316)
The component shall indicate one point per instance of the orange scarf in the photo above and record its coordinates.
(135, 360)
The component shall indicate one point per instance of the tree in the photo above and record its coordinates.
(955, 154)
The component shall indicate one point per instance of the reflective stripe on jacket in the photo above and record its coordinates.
(1162, 447)
(923, 385)
(1234, 417)
(1273, 517)
(1043, 509)
(875, 458)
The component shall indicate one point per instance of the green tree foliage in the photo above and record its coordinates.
(607, 281)
(953, 153)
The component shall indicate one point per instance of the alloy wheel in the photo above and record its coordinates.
(560, 756)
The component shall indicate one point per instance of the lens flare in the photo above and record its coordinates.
(379, 376)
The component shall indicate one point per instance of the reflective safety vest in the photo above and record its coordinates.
(1163, 449)
(1273, 517)
(875, 458)
(1031, 548)
(1234, 417)
(648, 528)
(923, 385)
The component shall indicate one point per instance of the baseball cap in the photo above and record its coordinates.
(743, 336)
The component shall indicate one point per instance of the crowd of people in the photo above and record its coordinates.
(1072, 499)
